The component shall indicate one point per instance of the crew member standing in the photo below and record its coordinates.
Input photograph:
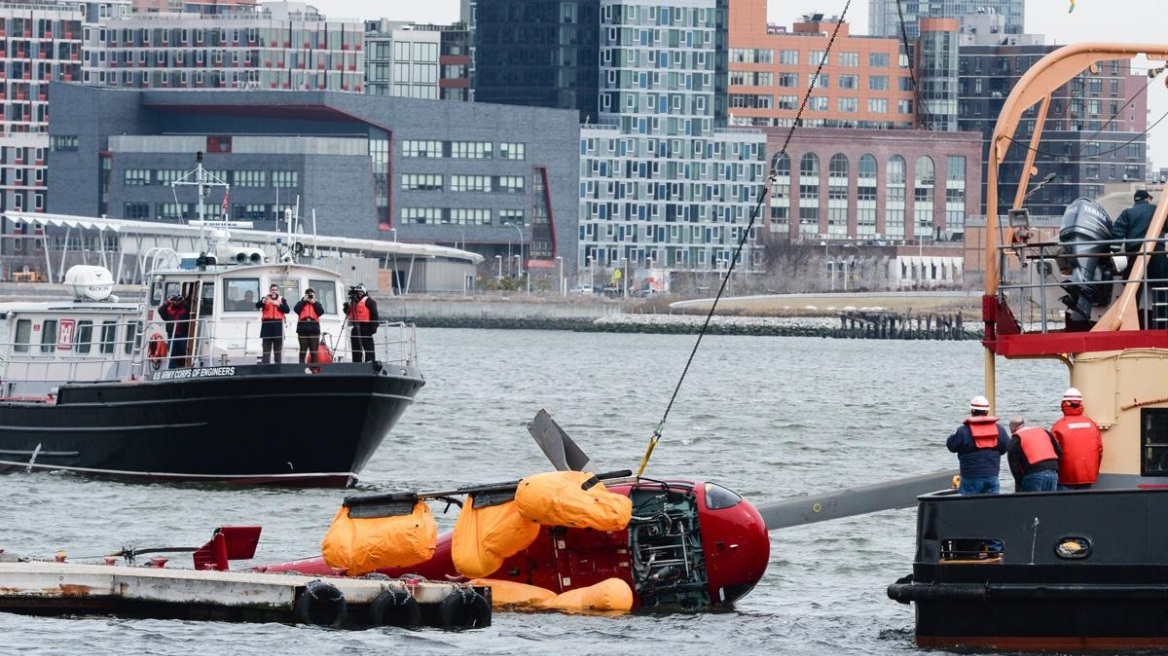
(308, 311)
(177, 315)
(1033, 455)
(361, 311)
(979, 443)
(1081, 442)
(273, 308)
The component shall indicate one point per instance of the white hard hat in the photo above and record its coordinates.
(1073, 394)
(979, 403)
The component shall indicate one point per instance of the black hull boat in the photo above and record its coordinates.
(1040, 571)
(187, 384)
(1085, 568)
(252, 424)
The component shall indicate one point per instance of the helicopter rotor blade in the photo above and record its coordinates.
(563, 453)
(900, 493)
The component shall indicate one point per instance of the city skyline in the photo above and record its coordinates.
(1092, 20)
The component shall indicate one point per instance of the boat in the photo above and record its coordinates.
(87, 384)
(1071, 569)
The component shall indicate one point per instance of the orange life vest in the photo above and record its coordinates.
(1036, 444)
(1082, 445)
(308, 313)
(984, 430)
(271, 310)
(358, 311)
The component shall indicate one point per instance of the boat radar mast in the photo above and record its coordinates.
(204, 180)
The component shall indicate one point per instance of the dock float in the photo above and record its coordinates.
(156, 592)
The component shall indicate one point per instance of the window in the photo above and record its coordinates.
(422, 182)
(878, 83)
(83, 338)
(877, 60)
(788, 79)
(849, 59)
(848, 105)
(241, 294)
(134, 177)
(470, 183)
(23, 337)
(414, 148)
(510, 184)
(790, 57)
(251, 178)
(470, 150)
(109, 336)
(513, 151)
(849, 82)
(878, 105)
(48, 336)
(285, 178)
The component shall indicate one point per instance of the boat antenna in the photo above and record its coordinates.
(203, 180)
(770, 180)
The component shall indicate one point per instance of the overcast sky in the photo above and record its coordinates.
(1131, 21)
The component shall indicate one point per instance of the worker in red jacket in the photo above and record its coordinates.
(1081, 442)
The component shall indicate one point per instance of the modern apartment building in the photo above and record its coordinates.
(1095, 129)
(274, 46)
(662, 181)
(862, 83)
(537, 53)
(401, 59)
(481, 177)
(893, 18)
(40, 43)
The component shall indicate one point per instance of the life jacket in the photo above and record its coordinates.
(308, 313)
(1036, 444)
(271, 311)
(984, 430)
(1082, 446)
(358, 311)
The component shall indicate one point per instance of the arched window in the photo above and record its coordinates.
(923, 198)
(866, 183)
(809, 195)
(894, 197)
(837, 196)
(780, 220)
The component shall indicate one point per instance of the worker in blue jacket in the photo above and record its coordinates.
(979, 443)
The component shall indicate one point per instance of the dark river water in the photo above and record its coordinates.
(769, 417)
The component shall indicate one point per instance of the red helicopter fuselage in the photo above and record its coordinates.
(689, 545)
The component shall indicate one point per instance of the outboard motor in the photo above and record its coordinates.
(1085, 226)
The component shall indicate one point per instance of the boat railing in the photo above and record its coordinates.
(34, 371)
(238, 342)
(1068, 286)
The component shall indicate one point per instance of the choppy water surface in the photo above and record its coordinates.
(769, 417)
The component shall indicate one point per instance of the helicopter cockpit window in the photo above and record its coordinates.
(1153, 442)
(719, 497)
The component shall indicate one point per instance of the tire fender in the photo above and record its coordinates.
(321, 604)
(464, 609)
(394, 607)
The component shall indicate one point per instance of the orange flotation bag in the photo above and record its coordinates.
(573, 499)
(513, 594)
(323, 354)
(363, 545)
(608, 596)
(485, 537)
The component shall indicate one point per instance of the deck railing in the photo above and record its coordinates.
(1043, 284)
(34, 371)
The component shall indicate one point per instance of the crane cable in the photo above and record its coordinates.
(770, 180)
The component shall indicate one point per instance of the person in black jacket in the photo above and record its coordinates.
(308, 311)
(177, 315)
(272, 309)
(361, 313)
(1033, 455)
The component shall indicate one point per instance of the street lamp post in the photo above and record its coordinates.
(560, 262)
(518, 267)
(499, 259)
(394, 231)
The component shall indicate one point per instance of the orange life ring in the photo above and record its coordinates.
(156, 348)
